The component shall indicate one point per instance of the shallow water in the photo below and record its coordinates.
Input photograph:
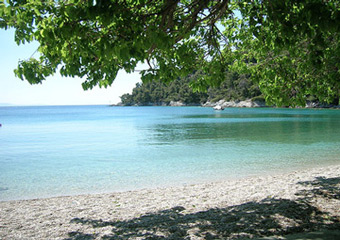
(66, 150)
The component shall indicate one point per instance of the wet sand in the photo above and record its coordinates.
(257, 207)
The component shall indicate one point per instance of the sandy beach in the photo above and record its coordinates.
(273, 207)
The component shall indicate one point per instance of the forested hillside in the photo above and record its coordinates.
(235, 87)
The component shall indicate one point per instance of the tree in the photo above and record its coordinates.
(291, 48)
(294, 47)
(234, 87)
(160, 93)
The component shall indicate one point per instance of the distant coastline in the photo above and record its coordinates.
(6, 105)
(249, 103)
(223, 103)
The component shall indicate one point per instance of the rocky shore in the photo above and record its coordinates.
(232, 104)
(236, 104)
(265, 207)
(249, 104)
(223, 103)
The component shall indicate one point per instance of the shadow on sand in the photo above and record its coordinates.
(269, 217)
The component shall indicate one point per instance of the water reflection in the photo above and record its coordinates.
(268, 127)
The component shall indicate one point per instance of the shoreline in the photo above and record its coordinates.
(266, 173)
(248, 103)
(261, 206)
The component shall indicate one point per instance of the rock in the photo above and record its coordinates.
(229, 104)
(247, 103)
(259, 104)
(312, 105)
(208, 104)
(176, 104)
(224, 104)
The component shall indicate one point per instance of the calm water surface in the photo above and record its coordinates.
(66, 150)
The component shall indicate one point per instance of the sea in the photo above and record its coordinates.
(48, 151)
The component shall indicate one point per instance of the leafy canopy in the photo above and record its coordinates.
(291, 48)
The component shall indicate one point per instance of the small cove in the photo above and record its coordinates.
(67, 150)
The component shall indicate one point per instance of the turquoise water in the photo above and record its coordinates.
(66, 150)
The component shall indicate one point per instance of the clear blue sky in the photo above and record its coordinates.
(56, 90)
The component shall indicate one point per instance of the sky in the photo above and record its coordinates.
(56, 90)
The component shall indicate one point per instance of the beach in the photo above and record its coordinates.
(254, 207)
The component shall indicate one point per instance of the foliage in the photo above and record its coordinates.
(291, 48)
(160, 93)
(234, 87)
(295, 48)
